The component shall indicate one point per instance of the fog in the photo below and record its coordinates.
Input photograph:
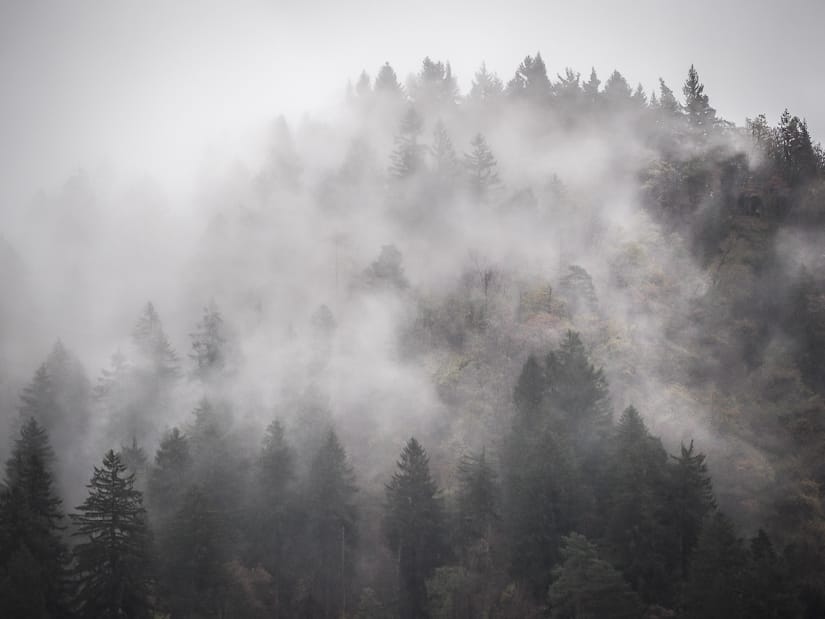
(191, 157)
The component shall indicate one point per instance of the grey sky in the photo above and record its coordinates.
(146, 86)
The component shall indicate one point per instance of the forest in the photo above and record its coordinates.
(553, 347)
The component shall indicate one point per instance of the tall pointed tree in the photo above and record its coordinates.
(480, 166)
(211, 346)
(700, 114)
(32, 553)
(111, 559)
(414, 527)
(408, 157)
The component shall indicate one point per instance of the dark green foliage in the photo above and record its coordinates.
(587, 586)
(331, 519)
(700, 114)
(478, 498)
(767, 592)
(716, 585)
(32, 553)
(636, 533)
(690, 501)
(170, 475)
(193, 579)
(111, 568)
(414, 528)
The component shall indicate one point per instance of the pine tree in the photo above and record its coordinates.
(111, 562)
(386, 82)
(590, 89)
(617, 93)
(32, 553)
(434, 86)
(530, 388)
(170, 475)
(210, 345)
(700, 114)
(577, 392)
(691, 501)
(331, 521)
(37, 400)
(767, 591)
(414, 527)
(635, 529)
(585, 585)
(486, 87)
(445, 162)
(478, 498)
(715, 589)
(531, 81)
(194, 581)
(155, 353)
(480, 165)
(667, 101)
(408, 157)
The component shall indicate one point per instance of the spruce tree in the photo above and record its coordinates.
(331, 520)
(700, 114)
(445, 162)
(690, 501)
(408, 157)
(486, 87)
(479, 510)
(210, 345)
(33, 557)
(111, 568)
(169, 476)
(480, 166)
(414, 527)
(585, 585)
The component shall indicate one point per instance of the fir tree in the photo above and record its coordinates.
(210, 345)
(700, 114)
(32, 553)
(486, 87)
(111, 568)
(386, 82)
(691, 501)
(531, 81)
(445, 162)
(478, 498)
(414, 527)
(170, 475)
(331, 523)
(585, 585)
(480, 166)
(408, 157)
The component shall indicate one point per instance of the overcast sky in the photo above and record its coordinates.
(145, 86)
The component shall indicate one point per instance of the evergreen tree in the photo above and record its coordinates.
(363, 87)
(590, 89)
(700, 114)
(635, 529)
(386, 82)
(667, 101)
(210, 345)
(486, 87)
(478, 499)
(691, 500)
(194, 581)
(529, 391)
(480, 165)
(408, 157)
(414, 527)
(587, 586)
(32, 553)
(530, 81)
(111, 562)
(170, 475)
(716, 585)
(434, 86)
(767, 591)
(331, 520)
(155, 353)
(387, 271)
(617, 93)
(445, 162)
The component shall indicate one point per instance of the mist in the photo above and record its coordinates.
(584, 315)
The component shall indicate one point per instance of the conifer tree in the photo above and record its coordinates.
(408, 157)
(531, 81)
(478, 498)
(414, 527)
(386, 82)
(585, 585)
(210, 345)
(33, 557)
(486, 87)
(111, 568)
(691, 501)
(700, 114)
(716, 585)
(331, 522)
(445, 162)
(170, 475)
(480, 165)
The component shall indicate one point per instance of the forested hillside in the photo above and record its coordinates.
(553, 347)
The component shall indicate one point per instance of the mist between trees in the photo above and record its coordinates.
(549, 347)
